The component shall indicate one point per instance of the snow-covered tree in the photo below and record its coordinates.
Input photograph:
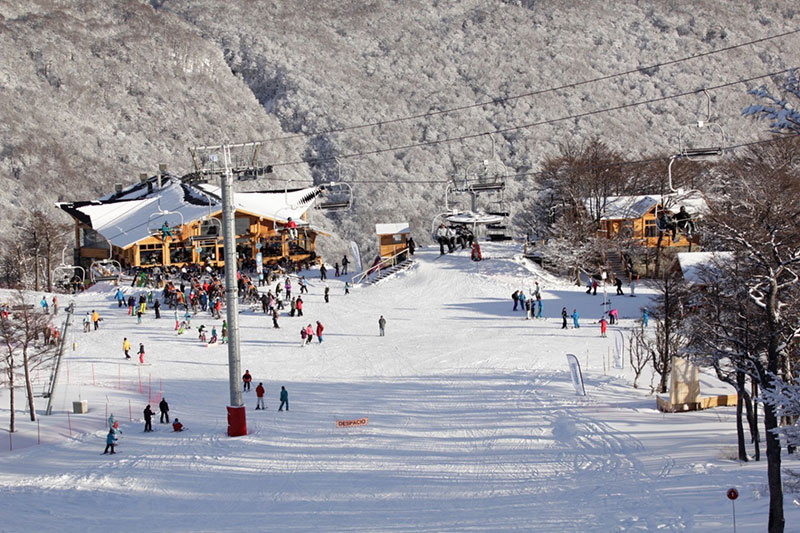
(781, 111)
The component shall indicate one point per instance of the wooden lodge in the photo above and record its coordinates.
(636, 217)
(392, 238)
(163, 221)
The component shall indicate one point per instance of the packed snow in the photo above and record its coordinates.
(473, 421)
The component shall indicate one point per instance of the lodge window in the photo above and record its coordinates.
(272, 247)
(179, 253)
(650, 228)
(151, 254)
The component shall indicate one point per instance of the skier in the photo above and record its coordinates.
(564, 317)
(224, 332)
(260, 397)
(522, 301)
(575, 317)
(538, 306)
(603, 326)
(119, 297)
(177, 426)
(213, 338)
(87, 322)
(163, 406)
(284, 399)
(126, 346)
(141, 353)
(96, 319)
(291, 225)
(157, 308)
(148, 418)
(320, 329)
(327, 294)
(111, 438)
(202, 333)
(345, 262)
(303, 285)
(166, 231)
(309, 334)
(288, 289)
(43, 303)
(381, 326)
(323, 272)
(275, 316)
(645, 316)
(299, 305)
(618, 283)
(131, 304)
(336, 269)
(515, 297)
(613, 316)
(302, 337)
(411, 246)
(55, 305)
(347, 287)
(246, 379)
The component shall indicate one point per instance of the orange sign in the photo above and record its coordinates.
(348, 423)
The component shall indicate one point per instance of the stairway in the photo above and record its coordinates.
(615, 265)
(386, 272)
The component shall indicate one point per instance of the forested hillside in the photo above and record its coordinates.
(93, 93)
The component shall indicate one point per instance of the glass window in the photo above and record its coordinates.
(650, 229)
(179, 253)
(397, 238)
(151, 254)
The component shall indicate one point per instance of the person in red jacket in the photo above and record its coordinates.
(177, 426)
(246, 379)
(260, 397)
(291, 225)
(320, 329)
(299, 306)
(309, 334)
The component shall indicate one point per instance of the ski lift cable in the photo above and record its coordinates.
(531, 124)
(504, 99)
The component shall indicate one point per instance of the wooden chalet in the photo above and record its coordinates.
(127, 226)
(392, 238)
(636, 217)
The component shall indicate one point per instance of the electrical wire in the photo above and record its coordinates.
(504, 99)
(526, 126)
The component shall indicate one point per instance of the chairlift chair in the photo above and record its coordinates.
(336, 196)
(105, 270)
(64, 274)
(157, 220)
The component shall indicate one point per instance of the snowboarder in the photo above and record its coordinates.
(575, 318)
(141, 353)
(177, 426)
(320, 329)
(163, 406)
(148, 418)
(381, 326)
(111, 438)
(284, 399)
(246, 379)
(603, 326)
(260, 397)
(126, 346)
(564, 317)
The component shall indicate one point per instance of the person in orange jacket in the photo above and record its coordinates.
(260, 397)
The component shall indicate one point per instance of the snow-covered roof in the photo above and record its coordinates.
(633, 207)
(693, 264)
(127, 217)
(392, 229)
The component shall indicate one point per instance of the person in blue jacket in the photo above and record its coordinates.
(120, 298)
(645, 316)
(44, 305)
(575, 317)
(284, 399)
(110, 440)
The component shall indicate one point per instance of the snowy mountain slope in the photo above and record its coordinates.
(473, 422)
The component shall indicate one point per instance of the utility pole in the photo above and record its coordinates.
(237, 421)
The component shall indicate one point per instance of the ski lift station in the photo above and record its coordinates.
(164, 220)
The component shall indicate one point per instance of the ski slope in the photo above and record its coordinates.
(473, 421)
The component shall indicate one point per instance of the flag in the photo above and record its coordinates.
(356, 256)
(575, 373)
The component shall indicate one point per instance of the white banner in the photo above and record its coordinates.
(575, 373)
(356, 256)
(619, 344)
(259, 263)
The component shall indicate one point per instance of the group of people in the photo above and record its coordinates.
(126, 349)
(681, 221)
(114, 431)
(451, 235)
(247, 378)
(531, 304)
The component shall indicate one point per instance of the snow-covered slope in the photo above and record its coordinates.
(473, 422)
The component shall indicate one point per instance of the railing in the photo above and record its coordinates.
(388, 262)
